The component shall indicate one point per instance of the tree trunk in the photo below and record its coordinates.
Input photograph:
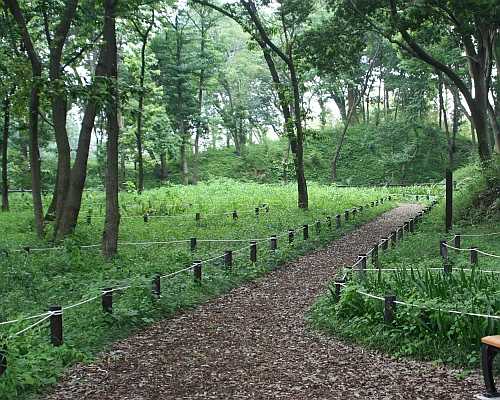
(163, 166)
(34, 109)
(5, 145)
(138, 135)
(445, 121)
(73, 201)
(112, 219)
(183, 154)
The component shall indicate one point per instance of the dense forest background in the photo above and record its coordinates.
(133, 95)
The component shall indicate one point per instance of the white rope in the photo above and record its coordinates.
(479, 251)
(23, 319)
(448, 311)
(81, 303)
(32, 325)
(478, 235)
(177, 272)
(487, 254)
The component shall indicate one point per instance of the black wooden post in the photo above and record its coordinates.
(457, 241)
(346, 215)
(372, 204)
(235, 215)
(193, 243)
(156, 286)
(385, 243)
(338, 289)
(362, 266)
(3, 359)
(447, 267)
(107, 300)
(228, 259)
(449, 200)
(443, 250)
(56, 326)
(256, 211)
(306, 231)
(394, 239)
(375, 255)
(89, 218)
(274, 243)
(146, 217)
(253, 251)
(197, 271)
(399, 231)
(354, 211)
(290, 236)
(197, 217)
(329, 221)
(389, 308)
(473, 256)
(412, 225)
(318, 227)
(337, 223)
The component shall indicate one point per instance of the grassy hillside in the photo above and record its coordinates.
(394, 152)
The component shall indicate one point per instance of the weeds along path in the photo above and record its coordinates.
(254, 343)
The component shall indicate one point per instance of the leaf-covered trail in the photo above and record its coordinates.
(254, 343)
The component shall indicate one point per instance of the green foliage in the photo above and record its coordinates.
(31, 282)
(424, 331)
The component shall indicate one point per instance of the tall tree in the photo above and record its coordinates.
(110, 58)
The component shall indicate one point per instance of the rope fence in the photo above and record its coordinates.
(390, 301)
(106, 294)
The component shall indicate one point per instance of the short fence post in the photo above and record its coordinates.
(274, 243)
(146, 217)
(346, 215)
(89, 218)
(447, 267)
(449, 200)
(362, 266)
(228, 259)
(412, 225)
(329, 221)
(389, 308)
(197, 217)
(473, 256)
(390, 198)
(393, 239)
(56, 326)
(372, 204)
(376, 202)
(417, 197)
(399, 233)
(360, 209)
(354, 212)
(197, 271)
(338, 289)
(318, 227)
(256, 211)
(385, 243)
(290, 236)
(253, 251)
(457, 241)
(235, 215)
(443, 250)
(156, 287)
(3, 359)
(193, 243)
(306, 231)
(107, 300)
(337, 223)
(375, 255)
(382, 201)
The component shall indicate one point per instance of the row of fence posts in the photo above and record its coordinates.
(56, 311)
(443, 252)
(197, 216)
(393, 238)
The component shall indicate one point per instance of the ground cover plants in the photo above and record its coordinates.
(414, 272)
(68, 273)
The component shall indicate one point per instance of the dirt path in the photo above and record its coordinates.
(254, 343)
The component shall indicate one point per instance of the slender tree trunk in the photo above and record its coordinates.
(79, 170)
(5, 145)
(112, 219)
(138, 135)
(34, 109)
(183, 154)
(445, 122)
(163, 166)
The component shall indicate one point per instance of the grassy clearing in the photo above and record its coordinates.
(33, 281)
(425, 332)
